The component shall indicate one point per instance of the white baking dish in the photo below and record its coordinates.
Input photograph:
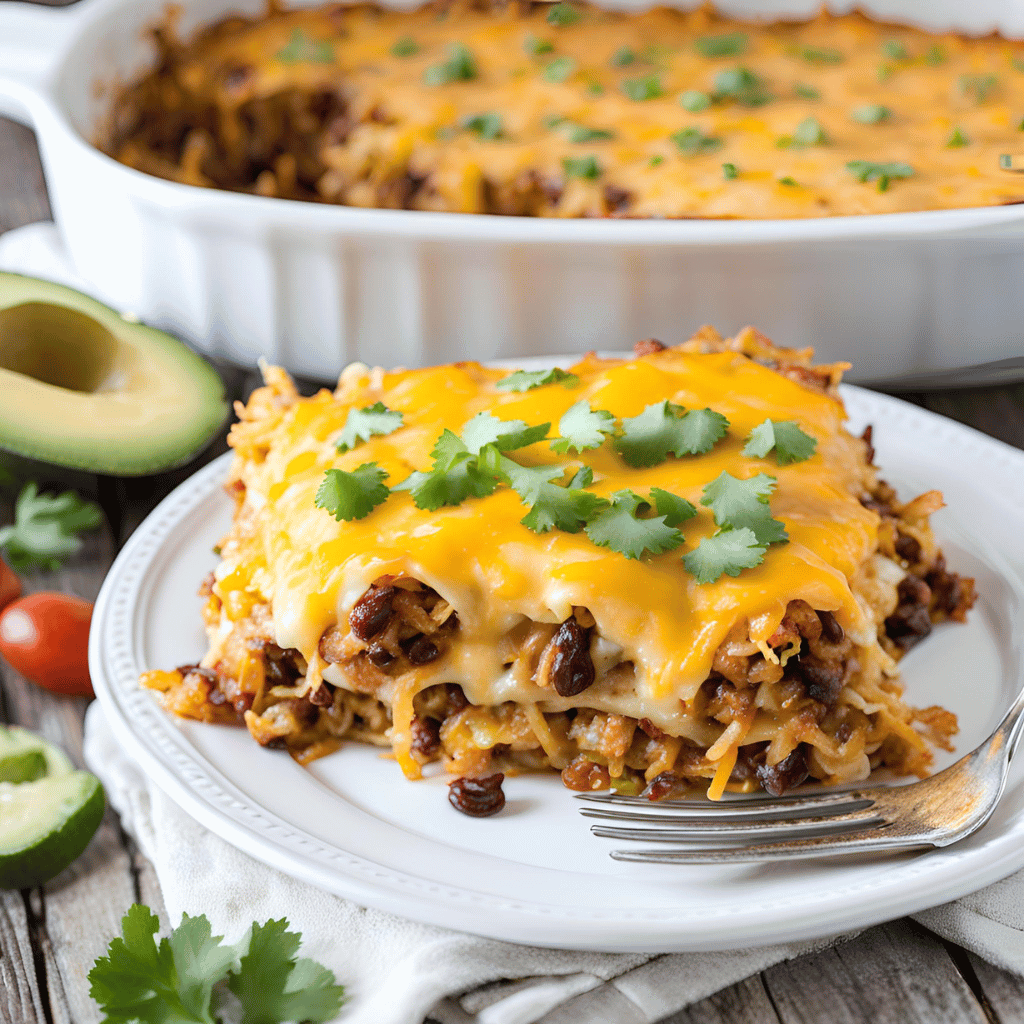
(314, 287)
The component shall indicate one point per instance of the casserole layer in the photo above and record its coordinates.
(459, 635)
(570, 111)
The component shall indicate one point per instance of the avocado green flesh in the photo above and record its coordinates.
(17, 744)
(45, 825)
(84, 388)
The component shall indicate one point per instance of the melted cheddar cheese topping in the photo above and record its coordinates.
(597, 114)
(495, 572)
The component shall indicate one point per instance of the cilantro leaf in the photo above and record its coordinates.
(693, 141)
(487, 125)
(728, 44)
(303, 50)
(582, 428)
(791, 444)
(273, 985)
(139, 980)
(505, 435)
(584, 477)
(866, 170)
(620, 528)
(178, 980)
(562, 14)
(460, 66)
(352, 495)
(527, 380)
(45, 529)
(675, 509)
(640, 89)
(744, 503)
(455, 476)
(362, 424)
(728, 552)
(552, 506)
(648, 439)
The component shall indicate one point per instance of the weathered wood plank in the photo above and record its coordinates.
(746, 1002)
(1002, 991)
(20, 999)
(22, 188)
(895, 972)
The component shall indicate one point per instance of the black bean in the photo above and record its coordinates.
(421, 650)
(789, 772)
(372, 612)
(831, 630)
(572, 671)
(478, 798)
(426, 736)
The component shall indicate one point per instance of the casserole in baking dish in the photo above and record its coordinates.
(566, 110)
(673, 570)
(314, 286)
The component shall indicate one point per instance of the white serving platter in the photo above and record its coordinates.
(352, 825)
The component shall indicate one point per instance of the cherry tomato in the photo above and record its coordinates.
(10, 585)
(45, 637)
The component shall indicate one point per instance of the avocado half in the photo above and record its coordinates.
(83, 387)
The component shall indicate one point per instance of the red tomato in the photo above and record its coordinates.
(45, 637)
(10, 585)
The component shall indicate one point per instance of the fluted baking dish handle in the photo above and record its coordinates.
(33, 39)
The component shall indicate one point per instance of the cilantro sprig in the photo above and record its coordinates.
(375, 420)
(300, 49)
(185, 977)
(728, 552)
(883, 173)
(352, 495)
(727, 44)
(458, 66)
(664, 428)
(744, 503)
(621, 527)
(791, 444)
(527, 380)
(46, 528)
(582, 428)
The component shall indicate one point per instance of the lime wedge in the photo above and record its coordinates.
(48, 810)
(20, 747)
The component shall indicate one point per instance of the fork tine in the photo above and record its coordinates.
(737, 803)
(762, 829)
(706, 811)
(862, 841)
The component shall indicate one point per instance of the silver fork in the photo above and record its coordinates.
(937, 811)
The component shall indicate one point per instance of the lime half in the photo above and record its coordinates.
(46, 822)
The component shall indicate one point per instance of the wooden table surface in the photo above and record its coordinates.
(896, 972)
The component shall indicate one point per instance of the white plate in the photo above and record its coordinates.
(352, 825)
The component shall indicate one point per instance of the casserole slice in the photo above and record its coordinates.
(654, 573)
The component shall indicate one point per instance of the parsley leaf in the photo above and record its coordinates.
(562, 14)
(551, 505)
(676, 510)
(362, 424)
(743, 86)
(459, 67)
(527, 380)
(488, 126)
(405, 47)
(818, 55)
(273, 985)
(180, 979)
(559, 69)
(352, 495)
(791, 444)
(692, 142)
(957, 140)
(664, 428)
(620, 528)
(582, 428)
(640, 89)
(977, 87)
(728, 44)
(871, 113)
(694, 101)
(866, 170)
(744, 503)
(300, 49)
(505, 435)
(727, 552)
(45, 529)
(535, 46)
(586, 167)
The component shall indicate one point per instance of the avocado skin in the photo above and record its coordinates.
(159, 407)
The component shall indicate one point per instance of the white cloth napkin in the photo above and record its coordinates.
(396, 971)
